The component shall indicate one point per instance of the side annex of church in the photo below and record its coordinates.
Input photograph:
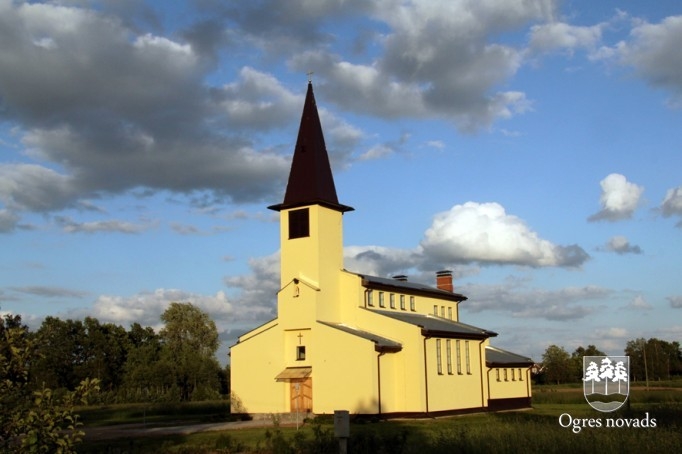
(347, 341)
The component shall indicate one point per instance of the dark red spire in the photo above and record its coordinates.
(310, 180)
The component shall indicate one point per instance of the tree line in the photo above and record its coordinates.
(650, 359)
(136, 365)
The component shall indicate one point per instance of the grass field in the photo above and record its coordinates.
(540, 429)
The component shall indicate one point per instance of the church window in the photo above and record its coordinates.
(520, 375)
(506, 377)
(442, 311)
(402, 302)
(435, 310)
(370, 298)
(513, 376)
(439, 361)
(497, 373)
(459, 356)
(392, 300)
(381, 300)
(412, 306)
(300, 353)
(450, 313)
(448, 355)
(299, 223)
(468, 358)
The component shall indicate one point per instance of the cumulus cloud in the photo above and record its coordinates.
(484, 233)
(257, 290)
(672, 203)
(652, 50)
(440, 59)
(8, 221)
(380, 261)
(101, 109)
(621, 245)
(639, 303)
(619, 198)
(146, 307)
(562, 36)
(675, 301)
(569, 303)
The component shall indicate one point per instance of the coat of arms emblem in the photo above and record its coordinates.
(606, 381)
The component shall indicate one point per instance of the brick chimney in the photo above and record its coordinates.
(444, 280)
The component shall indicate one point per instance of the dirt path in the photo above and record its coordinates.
(142, 430)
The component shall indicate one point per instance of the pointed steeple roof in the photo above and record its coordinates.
(310, 180)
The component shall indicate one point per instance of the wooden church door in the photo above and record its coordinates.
(301, 392)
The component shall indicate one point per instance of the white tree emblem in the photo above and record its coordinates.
(620, 373)
(606, 372)
(598, 371)
(592, 373)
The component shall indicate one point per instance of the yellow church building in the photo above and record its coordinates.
(347, 341)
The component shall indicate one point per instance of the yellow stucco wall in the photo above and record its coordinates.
(258, 358)
(516, 382)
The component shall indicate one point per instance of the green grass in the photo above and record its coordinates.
(536, 430)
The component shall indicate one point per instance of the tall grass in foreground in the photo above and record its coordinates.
(512, 432)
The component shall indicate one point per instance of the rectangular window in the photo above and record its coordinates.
(381, 300)
(412, 306)
(402, 302)
(299, 223)
(435, 310)
(442, 311)
(459, 356)
(392, 300)
(438, 357)
(370, 298)
(450, 313)
(448, 355)
(497, 374)
(520, 375)
(506, 378)
(513, 376)
(468, 359)
(300, 353)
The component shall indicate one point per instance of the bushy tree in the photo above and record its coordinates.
(653, 359)
(33, 421)
(557, 365)
(190, 340)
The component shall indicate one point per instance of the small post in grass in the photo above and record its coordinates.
(342, 429)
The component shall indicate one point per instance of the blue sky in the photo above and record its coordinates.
(532, 147)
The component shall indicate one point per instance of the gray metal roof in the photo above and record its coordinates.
(433, 326)
(381, 343)
(497, 356)
(409, 287)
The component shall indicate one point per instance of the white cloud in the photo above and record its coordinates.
(569, 303)
(485, 233)
(639, 303)
(146, 307)
(621, 245)
(562, 36)
(619, 198)
(653, 51)
(438, 59)
(675, 301)
(672, 203)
